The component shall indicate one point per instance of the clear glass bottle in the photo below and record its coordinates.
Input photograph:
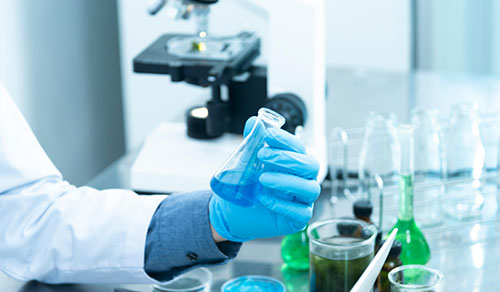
(428, 164)
(379, 154)
(465, 156)
(237, 179)
(415, 249)
(295, 250)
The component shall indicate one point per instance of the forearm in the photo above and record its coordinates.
(181, 237)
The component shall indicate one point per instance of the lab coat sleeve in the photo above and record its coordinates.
(180, 238)
(54, 232)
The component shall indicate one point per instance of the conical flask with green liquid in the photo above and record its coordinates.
(295, 250)
(415, 249)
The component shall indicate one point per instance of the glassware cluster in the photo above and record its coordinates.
(454, 157)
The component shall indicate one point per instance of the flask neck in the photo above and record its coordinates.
(406, 197)
(406, 180)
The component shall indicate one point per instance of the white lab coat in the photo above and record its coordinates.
(54, 232)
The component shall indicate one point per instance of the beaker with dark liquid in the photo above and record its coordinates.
(340, 251)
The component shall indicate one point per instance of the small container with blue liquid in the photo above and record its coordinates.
(237, 180)
(253, 283)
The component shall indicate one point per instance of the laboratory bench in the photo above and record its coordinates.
(467, 253)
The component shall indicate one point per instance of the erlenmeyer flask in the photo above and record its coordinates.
(238, 179)
(295, 250)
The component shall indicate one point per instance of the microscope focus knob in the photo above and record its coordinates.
(291, 107)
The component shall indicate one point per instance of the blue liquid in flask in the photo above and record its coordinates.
(238, 179)
(243, 194)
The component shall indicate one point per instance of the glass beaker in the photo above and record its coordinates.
(238, 179)
(340, 251)
(465, 155)
(380, 151)
(415, 278)
(428, 165)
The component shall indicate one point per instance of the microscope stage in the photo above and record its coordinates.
(208, 48)
(191, 58)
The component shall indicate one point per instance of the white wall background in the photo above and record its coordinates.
(459, 35)
(59, 60)
(369, 34)
(360, 33)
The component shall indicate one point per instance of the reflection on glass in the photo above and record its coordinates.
(428, 164)
(415, 278)
(465, 156)
(477, 255)
(295, 280)
(490, 130)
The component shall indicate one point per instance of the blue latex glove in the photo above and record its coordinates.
(289, 189)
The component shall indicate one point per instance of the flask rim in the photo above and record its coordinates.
(271, 117)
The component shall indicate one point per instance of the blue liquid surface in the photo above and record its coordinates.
(230, 186)
(254, 284)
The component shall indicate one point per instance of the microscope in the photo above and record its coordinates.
(292, 84)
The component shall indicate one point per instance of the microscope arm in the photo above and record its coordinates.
(154, 6)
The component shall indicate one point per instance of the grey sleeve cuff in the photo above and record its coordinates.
(179, 237)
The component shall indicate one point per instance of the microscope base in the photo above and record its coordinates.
(170, 161)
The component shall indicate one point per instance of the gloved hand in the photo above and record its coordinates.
(288, 191)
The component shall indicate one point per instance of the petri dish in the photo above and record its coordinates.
(193, 281)
(253, 283)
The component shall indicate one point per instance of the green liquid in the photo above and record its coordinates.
(295, 280)
(415, 249)
(295, 250)
(336, 275)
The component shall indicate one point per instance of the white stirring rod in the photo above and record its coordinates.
(367, 279)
